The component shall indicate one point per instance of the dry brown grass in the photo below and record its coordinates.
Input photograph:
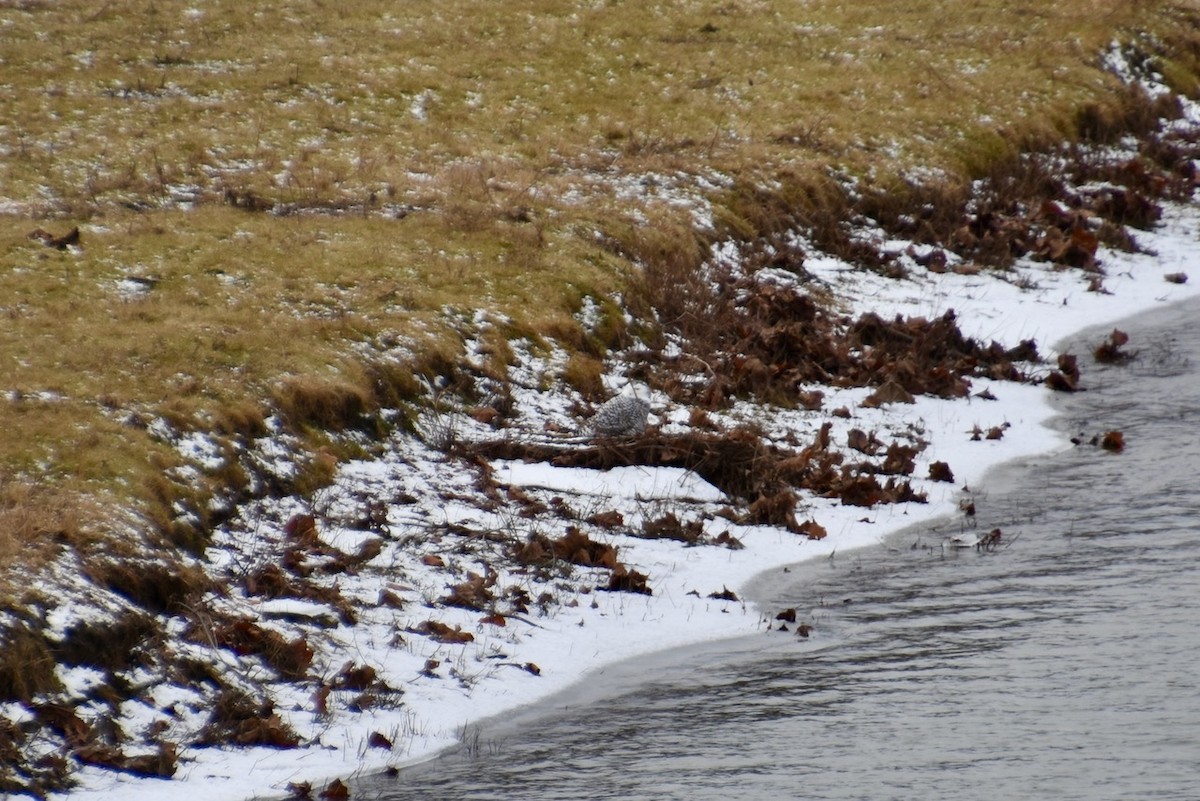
(26, 664)
(38, 522)
(517, 156)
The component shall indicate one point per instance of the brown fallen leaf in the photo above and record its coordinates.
(302, 528)
(355, 677)
(940, 471)
(862, 442)
(320, 699)
(485, 414)
(390, 599)
(299, 791)
(1068, 363)
(899, 460)
(1060, 383)
(625, 580)
(725, 594)
(610, 519)
(336, 790)
(812, 529)
(811, 400)
(443, 633)
(474, 593)
(990, 540)
(1109, 351)
(729, 541)
(580, 549)
(889, 392)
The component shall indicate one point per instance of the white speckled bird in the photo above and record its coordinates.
(621, 416)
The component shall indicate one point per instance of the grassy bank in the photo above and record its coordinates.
(287, 215)
(298, 193)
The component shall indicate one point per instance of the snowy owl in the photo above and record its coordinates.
(621, 416)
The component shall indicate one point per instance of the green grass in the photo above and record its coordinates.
(445, 155)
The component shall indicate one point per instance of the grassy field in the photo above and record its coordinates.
(284, 207)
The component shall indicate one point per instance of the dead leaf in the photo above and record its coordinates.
(900, 460)
(811, 400)
(940, 471)
(671, 528)
(775, 510)
(443, 633)
(336, 790)
(812, 529)
(161, 764)
(298, 791)
(1109, 351)
(1059, 382)
(320, 699)
(269, 730)
(729, 541)
(1068, 363)
(390, 599)
(990, 540)
(470, 594)
(725, 594)
(609, 519)
(485, 414)
(860, 441)
(889, 392)
(624, 579)
(302, 528)
(861, 491)
(355, 677)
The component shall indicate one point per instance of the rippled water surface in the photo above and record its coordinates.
(1061, 666)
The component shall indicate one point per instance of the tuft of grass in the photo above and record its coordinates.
(27, 664)
(329, 405)
(583, 373)
(38, 522)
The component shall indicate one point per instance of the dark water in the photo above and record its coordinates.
(1062, 666)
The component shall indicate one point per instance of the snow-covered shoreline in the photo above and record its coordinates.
(503, 668)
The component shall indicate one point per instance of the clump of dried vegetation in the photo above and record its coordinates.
(241, 220)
